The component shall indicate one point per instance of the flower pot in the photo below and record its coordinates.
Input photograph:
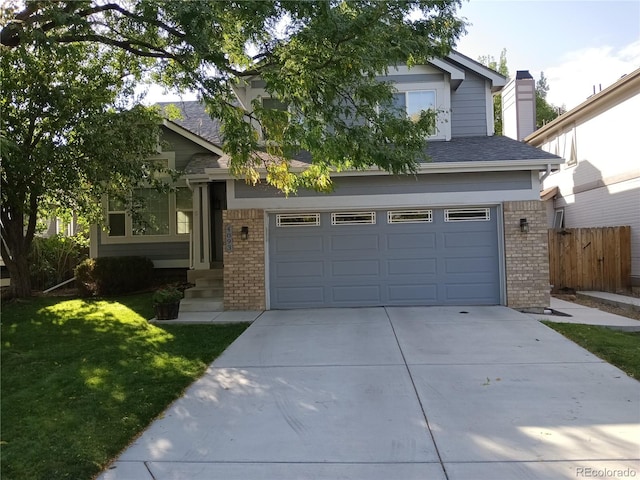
(167, 311)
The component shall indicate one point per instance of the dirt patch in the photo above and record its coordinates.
(593, 303)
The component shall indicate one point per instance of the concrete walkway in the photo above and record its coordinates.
(623, 301)
(589, 316)
(439, 393)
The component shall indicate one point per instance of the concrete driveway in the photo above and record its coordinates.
(397, 393)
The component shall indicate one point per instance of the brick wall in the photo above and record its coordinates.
(527, 258)
(244, 260)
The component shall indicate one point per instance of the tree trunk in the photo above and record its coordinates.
(15, 248)
(20, 277)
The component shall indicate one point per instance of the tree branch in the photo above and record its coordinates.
(10, 34)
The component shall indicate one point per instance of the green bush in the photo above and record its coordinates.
(114, 275)
(52, 260)
(167, 296)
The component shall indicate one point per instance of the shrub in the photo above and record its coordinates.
(52, 260)
(114, 275)
(165, 296)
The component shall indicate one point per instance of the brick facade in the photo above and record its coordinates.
(244, 260)
(526, 256)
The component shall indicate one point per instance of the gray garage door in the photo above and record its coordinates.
(384, 257)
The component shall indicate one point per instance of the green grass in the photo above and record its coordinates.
(80, 378)
(619, 348)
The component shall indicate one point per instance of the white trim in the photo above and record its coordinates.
(428, 167)
(413, 216)
(497, 81)
(346, 218)
(378, 202)
(457, 74)
(267, 262)
(491, 126)
(169, 156)
(292, 216)
(181, 263)
(502, 266)
(129, 237)
(484, 215)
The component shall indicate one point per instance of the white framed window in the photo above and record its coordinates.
(184, 210)
(298, 220)
(161, 217)
(116, 218)
(412, 103)
(353, 218)
(467, 214)
(558, 218)
(153, 219)
(409, 216)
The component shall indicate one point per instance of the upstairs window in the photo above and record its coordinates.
(412, 103)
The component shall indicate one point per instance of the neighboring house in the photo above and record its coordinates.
(599, 185)
(468, 229)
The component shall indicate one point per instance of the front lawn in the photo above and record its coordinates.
(619, 348)
(80, 378)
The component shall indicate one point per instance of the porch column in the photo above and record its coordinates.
(200, 238)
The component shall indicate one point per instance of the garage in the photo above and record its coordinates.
(394, 257)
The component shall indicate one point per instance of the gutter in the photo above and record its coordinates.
(436, 167)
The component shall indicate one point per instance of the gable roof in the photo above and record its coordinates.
(196, 120)
(497, 80)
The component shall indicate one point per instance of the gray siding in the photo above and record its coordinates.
(468, 108)
(389, 185)
(153, 251)
(183, 147)
(413, 78)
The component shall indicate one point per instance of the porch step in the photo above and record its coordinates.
(209, 282)
(201, 305)
(193, 276)
(205, 291)
(209, 286)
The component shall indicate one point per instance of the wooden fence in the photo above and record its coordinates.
(590, 259)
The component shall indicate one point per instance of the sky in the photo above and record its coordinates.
(578, 45)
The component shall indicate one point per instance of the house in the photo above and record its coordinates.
(468, 229)
(599, 185)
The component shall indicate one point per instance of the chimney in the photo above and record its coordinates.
(519, 106)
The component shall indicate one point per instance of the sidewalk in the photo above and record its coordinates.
(623, 301)
(587, 315)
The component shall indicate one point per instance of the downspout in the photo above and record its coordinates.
(546, 174)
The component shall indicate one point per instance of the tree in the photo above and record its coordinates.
(499, 66)
(545, 112)
(65, 62)
(66, 140)
(322, 59)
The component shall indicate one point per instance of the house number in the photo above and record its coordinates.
(228, 238)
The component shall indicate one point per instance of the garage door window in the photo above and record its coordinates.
(298, 220)
(467, 215)
(410, 216)
(353, 218)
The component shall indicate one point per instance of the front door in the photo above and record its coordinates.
(218, 197)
